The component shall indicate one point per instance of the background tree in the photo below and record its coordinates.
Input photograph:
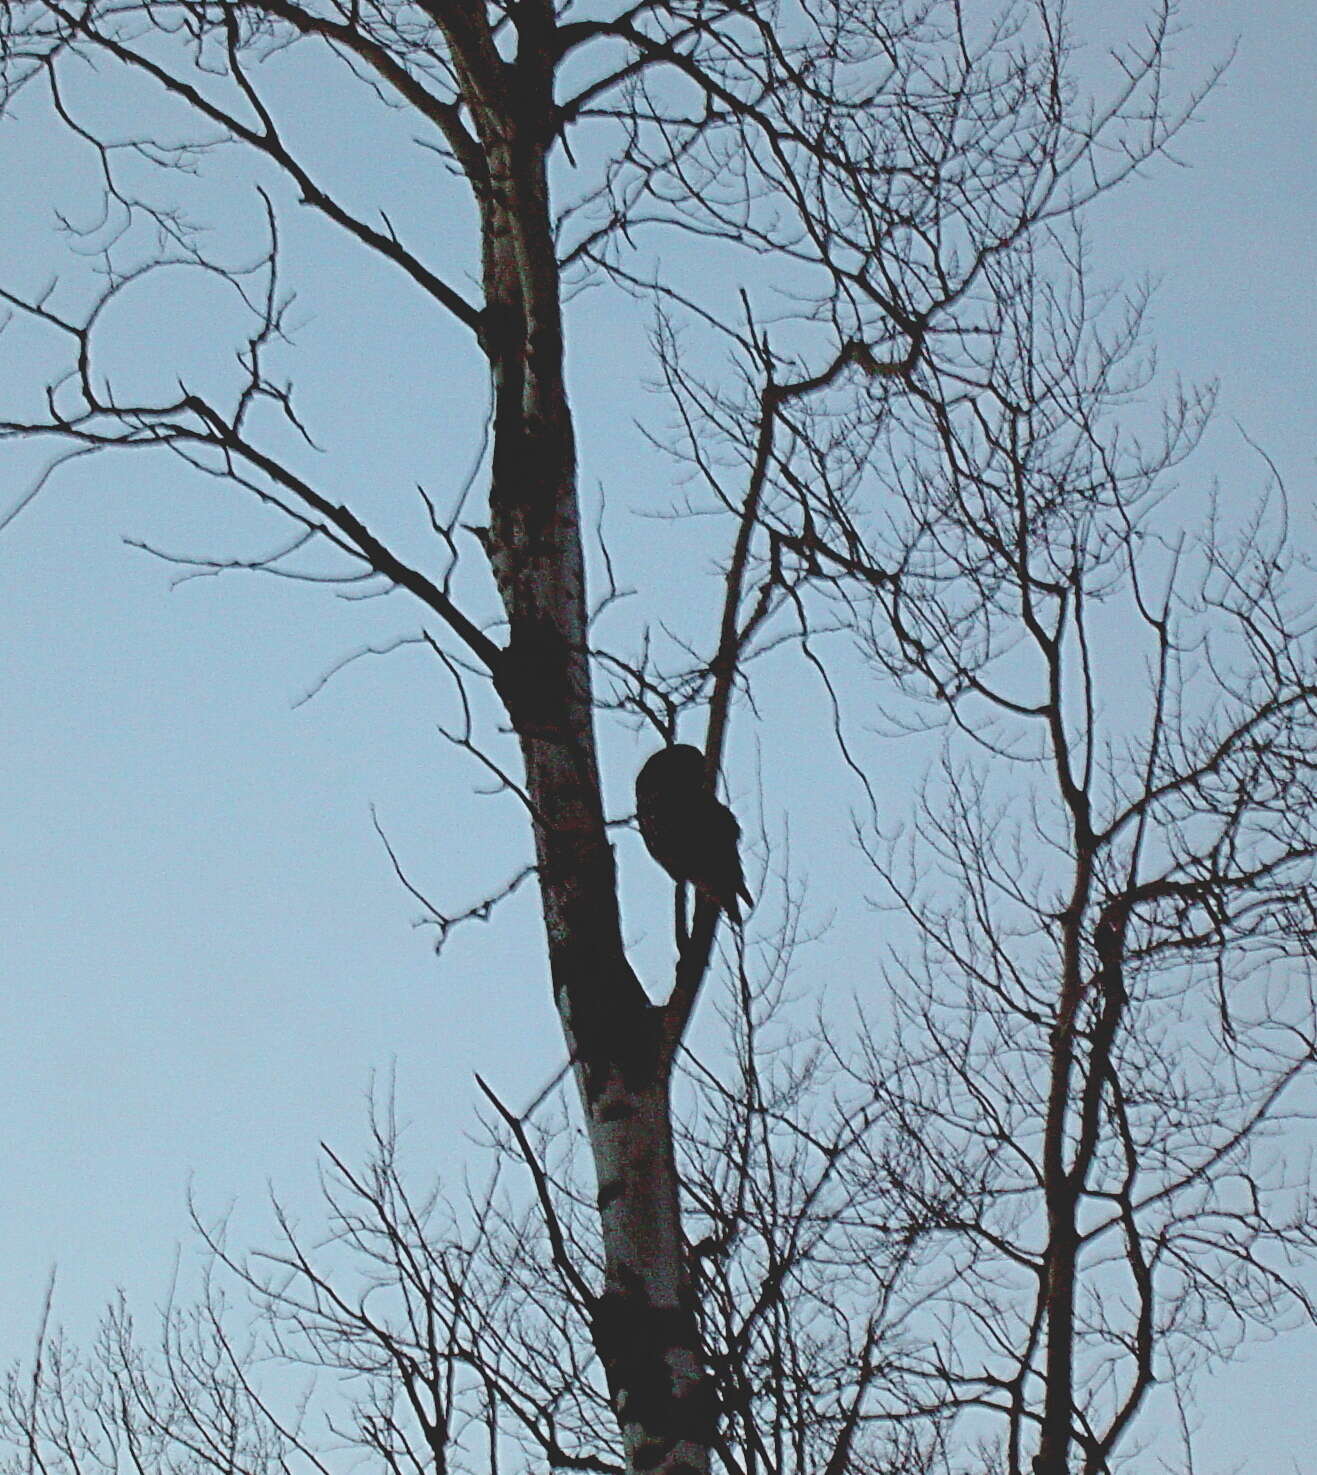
(913, 446)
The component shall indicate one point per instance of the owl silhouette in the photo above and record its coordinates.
(687, 828)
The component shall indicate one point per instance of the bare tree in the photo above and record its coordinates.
(912, 444)
(1106, 1012)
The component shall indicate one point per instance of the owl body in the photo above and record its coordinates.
(687, 829)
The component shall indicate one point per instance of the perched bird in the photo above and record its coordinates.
(687, 829)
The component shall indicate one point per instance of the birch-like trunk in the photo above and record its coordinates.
(646, 1330)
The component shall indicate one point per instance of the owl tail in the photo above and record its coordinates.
(727, 900)
(733, 907)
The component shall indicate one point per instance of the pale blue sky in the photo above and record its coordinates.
(206, 954)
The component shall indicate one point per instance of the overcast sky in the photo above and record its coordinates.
(206, 952)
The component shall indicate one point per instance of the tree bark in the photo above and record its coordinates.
(645, 1326)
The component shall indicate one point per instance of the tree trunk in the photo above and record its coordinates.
(645, 1327)
(1061, 1192)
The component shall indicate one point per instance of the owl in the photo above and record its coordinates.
(687, 829)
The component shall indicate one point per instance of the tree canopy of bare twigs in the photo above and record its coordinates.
(1043, 1175)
